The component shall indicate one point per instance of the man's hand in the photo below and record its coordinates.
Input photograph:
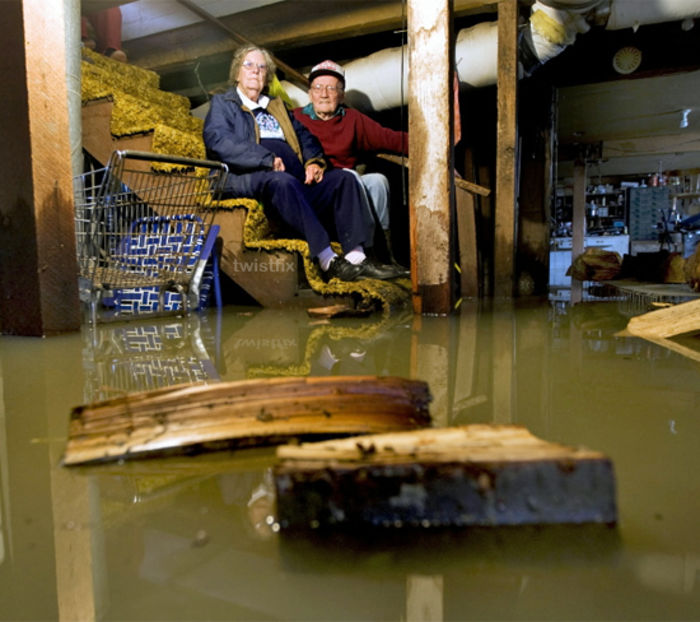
(278, 164)
(314, 173)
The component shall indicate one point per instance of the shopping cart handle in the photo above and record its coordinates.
(120, 154)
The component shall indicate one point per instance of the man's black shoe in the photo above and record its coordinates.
(401, 271)
(373, 270)
(341, 268)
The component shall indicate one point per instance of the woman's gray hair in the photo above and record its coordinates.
(239, 57)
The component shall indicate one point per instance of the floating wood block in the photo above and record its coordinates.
(250, 412)
(469, 475)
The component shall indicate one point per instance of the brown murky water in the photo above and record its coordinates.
(190, 538)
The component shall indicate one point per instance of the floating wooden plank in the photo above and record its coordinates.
(457, 476)
(187, 418)
(659, 325)
(667, 322)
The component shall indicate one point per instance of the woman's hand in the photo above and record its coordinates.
(314, 173)
(278, 165)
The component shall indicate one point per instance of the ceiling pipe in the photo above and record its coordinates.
(375, 82)
(633, 13)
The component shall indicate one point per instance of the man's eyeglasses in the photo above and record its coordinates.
(324, 87)
(250, 65)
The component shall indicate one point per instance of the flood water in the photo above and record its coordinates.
(189, 538)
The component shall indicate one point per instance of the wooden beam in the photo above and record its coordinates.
(578, 225)
(431, 188)
(469, 186)
(507, 151)
(291, 74)
(292, 23)
(38, 270)
(645, 145)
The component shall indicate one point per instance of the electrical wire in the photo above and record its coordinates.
(404, 106)
(199, 81)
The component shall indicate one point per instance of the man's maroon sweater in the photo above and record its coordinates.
(350, 134)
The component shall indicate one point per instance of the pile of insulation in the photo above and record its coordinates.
(139, 107)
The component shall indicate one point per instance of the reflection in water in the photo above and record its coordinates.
(129, 357)
(194, 538)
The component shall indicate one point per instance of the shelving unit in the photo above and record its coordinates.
(606, 212)
(606, 228)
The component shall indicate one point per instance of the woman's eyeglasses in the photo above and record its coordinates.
(249, 65)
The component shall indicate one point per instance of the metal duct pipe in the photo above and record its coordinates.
(633, 13)
(375, 82)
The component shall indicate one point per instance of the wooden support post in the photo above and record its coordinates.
(507, 152)
(503, 375)
(432, 366)
(424, 598)
(38, 270)
(466, 232)
(578, 225)
(431, 187)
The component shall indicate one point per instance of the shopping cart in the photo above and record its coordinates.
(142, 225)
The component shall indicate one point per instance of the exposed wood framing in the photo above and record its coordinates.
(431, 187)
(38, 270)
(507, 151)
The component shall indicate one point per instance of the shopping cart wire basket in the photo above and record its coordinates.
(140, 224)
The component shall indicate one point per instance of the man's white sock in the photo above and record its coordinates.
(356, 255)
(325, 257)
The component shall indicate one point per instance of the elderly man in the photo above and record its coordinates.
(347, 134)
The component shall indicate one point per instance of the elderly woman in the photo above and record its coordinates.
(275, 159)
